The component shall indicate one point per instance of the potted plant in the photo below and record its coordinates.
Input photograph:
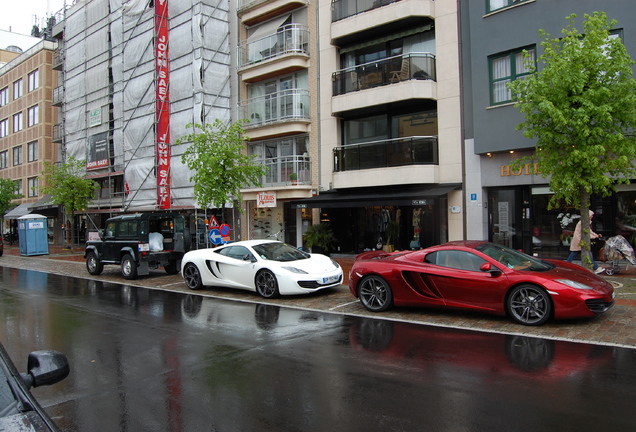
(294, 178)
(319, 238)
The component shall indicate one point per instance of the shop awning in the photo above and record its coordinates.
(43, 204)
(18, 211)
(375, 197)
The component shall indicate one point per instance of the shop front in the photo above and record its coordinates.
(520, 215)
(386, 218)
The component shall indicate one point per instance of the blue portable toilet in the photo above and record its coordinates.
(33, 235)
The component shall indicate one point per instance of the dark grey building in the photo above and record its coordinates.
(503, 205)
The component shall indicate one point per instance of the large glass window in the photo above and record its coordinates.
(34, 80)
(493, 5)
(17, 89)
(505, 68)
(33, 186)
(32, 116)
(4, 128)
(4, 96)
(32, 151)
(17, 155)
(282, 157)
(17, 122)
(3, 159)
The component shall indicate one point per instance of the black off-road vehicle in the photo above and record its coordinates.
(138, 243)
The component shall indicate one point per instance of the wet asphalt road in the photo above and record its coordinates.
(155, 360)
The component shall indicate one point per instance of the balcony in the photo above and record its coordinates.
(283, 106)
(285, 51)
(58, 59)
(252, 12)
(416, 150)
(392, 70)
(355, 21)
(279, 171)
(58, 96)
(341, 9)
(58, 133)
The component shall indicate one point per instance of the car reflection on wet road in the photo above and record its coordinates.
(150, 360)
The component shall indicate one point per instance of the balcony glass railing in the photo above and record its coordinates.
(416, 150)
(280, 170)
(391, 70)
(341, 9)
(286, 105)
(289, 39)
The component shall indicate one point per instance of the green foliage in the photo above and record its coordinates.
(68, 186)
(319, 235)
(581, 109)
(221, 168)
(8, 192)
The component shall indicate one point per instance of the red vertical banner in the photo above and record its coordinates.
(162, 71)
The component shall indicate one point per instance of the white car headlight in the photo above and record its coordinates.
(294, 270)
(574, 284)
(335, 264)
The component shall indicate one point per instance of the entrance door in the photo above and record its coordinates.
(503, 222)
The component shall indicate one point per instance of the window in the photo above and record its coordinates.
(3, 159)
(17, 155)
(32, 116)
(4, 128)
(18, 188)
(17, 89)
(33, 187)
(34, 80)
(4, 96)
(494, 5)
(32, 151)
(17, 122)
(505, 68)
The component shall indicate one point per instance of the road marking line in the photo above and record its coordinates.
(343, 305)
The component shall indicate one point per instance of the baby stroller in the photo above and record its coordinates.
(616, 249)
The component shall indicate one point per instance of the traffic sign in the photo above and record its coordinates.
(225, 230)
(213, 223)
(215, 237)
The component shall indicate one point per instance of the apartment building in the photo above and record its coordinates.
(390, 144)
(277, 63)
(511, 206)
(26, 123)
(134, 75)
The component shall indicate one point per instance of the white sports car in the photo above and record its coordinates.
(269, 267)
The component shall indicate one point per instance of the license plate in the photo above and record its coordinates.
(330, 279)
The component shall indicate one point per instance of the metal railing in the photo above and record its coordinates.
(391, 70)
(58, 58)
(281, 106)
(289, 39)
(341, 9)
(286, 170)
(58, 95)
(58, 132)
(416, 150)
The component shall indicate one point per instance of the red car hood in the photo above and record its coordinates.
(573, 272)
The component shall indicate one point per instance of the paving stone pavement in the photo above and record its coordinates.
(616, 327)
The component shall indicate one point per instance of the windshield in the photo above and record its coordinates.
(514, 259)
(279, 252)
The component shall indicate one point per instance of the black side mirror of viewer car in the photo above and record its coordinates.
(487, 267)
(45, 367)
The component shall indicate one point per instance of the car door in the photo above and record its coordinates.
(458, 278)
(237, 266)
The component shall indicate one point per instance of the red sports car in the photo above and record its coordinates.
(480, 276)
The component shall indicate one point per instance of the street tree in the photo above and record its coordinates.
(220, 166)
(69, 187)
(581, 109)
(8, 193)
